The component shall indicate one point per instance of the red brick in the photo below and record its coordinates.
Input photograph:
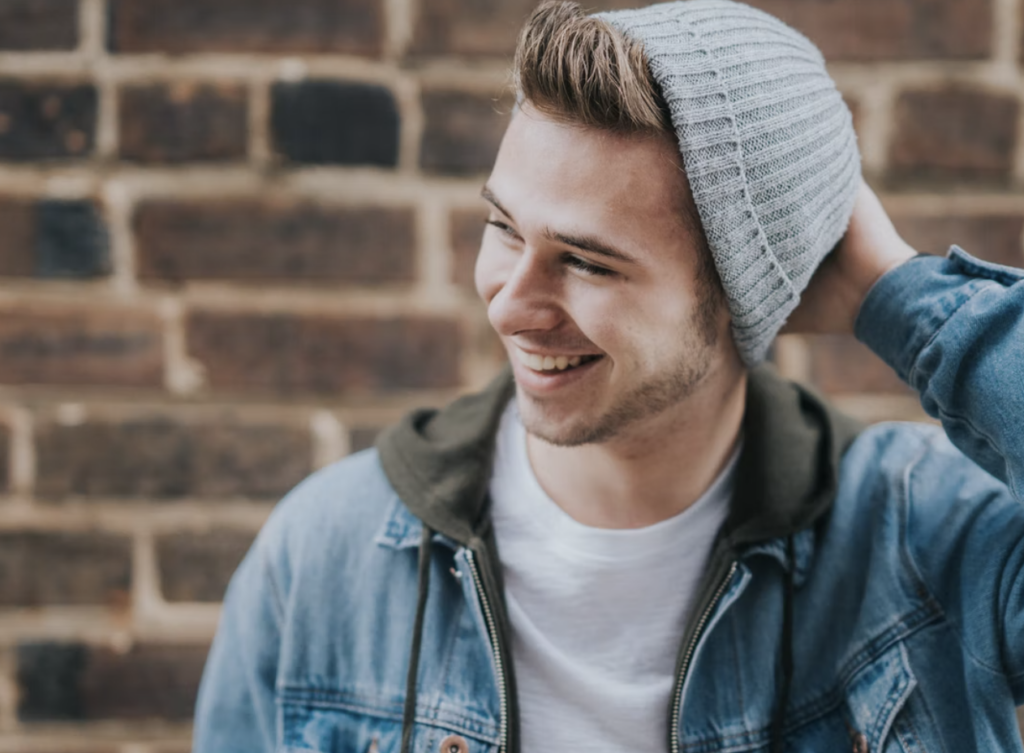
(841, 365)
(266, 240)
(75, 682)
(462, 131)
(46, 568)
(288, 355)
(17, 241)
(80, 346)
(183, 122)
(38, 25)
(890, 29)
(467, 229)
(198, 566)
(263, 26)
(159, 457)
(995, 238)
(469, 27)
(953, 135)
(42, 121)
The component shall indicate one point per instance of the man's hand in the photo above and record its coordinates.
(870, 248)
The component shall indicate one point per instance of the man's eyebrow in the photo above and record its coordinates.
(489, 196)
(582, 242)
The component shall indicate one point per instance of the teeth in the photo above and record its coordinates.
(547, 363)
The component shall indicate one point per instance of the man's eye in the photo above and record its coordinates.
(506, 229)
(586, 267)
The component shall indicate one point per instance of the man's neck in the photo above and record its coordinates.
(649, 473)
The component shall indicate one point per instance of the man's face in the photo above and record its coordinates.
(588, 259)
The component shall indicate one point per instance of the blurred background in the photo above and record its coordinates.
(237, 238)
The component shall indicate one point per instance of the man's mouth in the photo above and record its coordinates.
(552, 363)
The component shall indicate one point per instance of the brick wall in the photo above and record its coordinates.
(236, 238)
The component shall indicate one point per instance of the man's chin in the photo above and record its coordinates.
(562, 428)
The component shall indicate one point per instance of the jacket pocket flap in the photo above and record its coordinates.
(878, 692)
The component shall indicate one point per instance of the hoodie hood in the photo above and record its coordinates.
(439, 461)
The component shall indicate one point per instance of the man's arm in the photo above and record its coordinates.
(951, 328)
(236, 711)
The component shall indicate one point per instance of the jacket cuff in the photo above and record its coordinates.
(909, 304)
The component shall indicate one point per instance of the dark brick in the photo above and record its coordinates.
(363, 437)
(890, 29)
(158, 457)
(331, 122)
(995, 238)
(841, 365)
(259, 241)
(71, 240)
(74, 682)
(953, 135)
(38, 24)
(183, 122)
(462, 131)
(44, 568)
(198, 566)
(17, 241)
(40, 121)
(53, 239)
(109, 347)
(262, 26)
(467, 229)
(286, 354)
(479, 29)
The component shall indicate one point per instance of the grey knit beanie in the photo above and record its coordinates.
(767, 143)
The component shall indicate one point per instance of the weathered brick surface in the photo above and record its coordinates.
(953, 135)
(268, 26)
(469, 27)
(52, 239)
(462, 132)
(43, 568)
(467, 229)
(890, 29)
(43, 121)
(996, 238)
(183, 122)
(17, 241)
(264, 241)
(38, 24)
(842, 365)
(158, 457)
(289, 354)
(5, 458)
(72, 681)
(332, 122)
(79, 346)
(198, 566)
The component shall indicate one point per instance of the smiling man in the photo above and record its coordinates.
(638, 537)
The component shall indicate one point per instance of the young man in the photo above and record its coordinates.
(638, 539)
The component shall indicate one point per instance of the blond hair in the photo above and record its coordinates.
(579, 69)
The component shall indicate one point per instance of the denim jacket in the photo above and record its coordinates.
(866, 592)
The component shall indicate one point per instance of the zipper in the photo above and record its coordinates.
(492, 634)
(677, 701)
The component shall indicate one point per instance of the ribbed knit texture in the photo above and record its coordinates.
(767, 143)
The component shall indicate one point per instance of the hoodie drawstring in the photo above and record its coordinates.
(779, 721)
(409, 710)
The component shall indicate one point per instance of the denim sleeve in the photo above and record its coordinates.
(235, 710)
(953, 329)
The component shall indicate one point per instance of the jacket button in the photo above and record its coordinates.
(860, 743)
(454, 744)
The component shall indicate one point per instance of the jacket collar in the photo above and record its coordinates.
(439, 463)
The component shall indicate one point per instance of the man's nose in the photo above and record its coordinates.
(527, 298)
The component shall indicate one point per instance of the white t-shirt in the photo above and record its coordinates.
(597, 614)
